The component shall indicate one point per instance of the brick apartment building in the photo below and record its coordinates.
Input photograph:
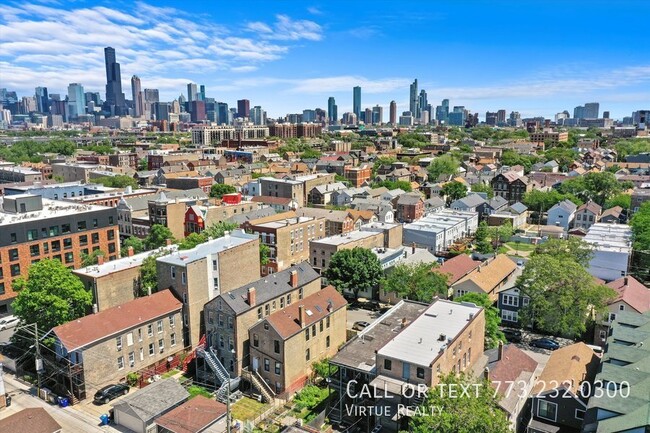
(357, 175)
(510, 186)
(33, 228)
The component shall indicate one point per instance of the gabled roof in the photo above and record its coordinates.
(457, 267)
(153, 400)
(566, 205)
(592, 207)
(32, 420)
(568, 367)
(497, 202)
(632, 292)
(87, 330)
(192, 416)
(409, 198)
(518, 208)
(613, 212)
(469, 201)
(317, 306)
(488, 276)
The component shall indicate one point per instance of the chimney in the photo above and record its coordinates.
(168, 242)
(625, 281)
(413, 248)
(404, 322)
(301, 316)
(486, 373)
(500, 351)
(149, 291)
(100, 260)
(130, 251)
(293, 279)
(95, 309)
(479, 268)
(251, 296)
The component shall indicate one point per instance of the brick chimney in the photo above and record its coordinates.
(301, 316)
(168, 242)
(100, 260)
(293, 279)
(413, 248)
(500, 351)
(251, 296)
(486, 373)
(130, 251)
(625, 281)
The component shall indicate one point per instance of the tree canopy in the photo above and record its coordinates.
(354, 270)
(158, 236)
(119, 181)
(596, 186)
(218, 190)
(415, 282)
(453, 191)
(641, 228)
(492, 318)
(391, 185)
(136, 243)
(32, 151)
(51, 295)
(537, 200)
(482, 187)
(570, 249)
(445, 164)
(191, 240)
(476, 411)
(92, 258)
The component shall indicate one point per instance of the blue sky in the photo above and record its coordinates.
(535, 57)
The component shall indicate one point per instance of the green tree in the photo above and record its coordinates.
(563, 156)
(482, 187)
(415, 282)
(158, 236)
(310, 154)
(570, 249)
(502, 233)
(143, 164)
(445, 164)
(219, 189)
(563, 296)
(149, 273)
(354, 270)
(596, 186)
(476, 411)
(50, 296)
(492, 318)
(481, 238)
(641, 228)
(510, 158)
(391, 185)
(191, 240)
(217, 230)
(265, 252)
(119, 181)
(537, 200)
(453, 191)
(136, 243)
(92, 258)
(622, 200)
(383, 160)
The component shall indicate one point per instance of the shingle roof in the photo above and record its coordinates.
(409, 198)
(94, 327)
(591, 207)
(457, 267)
(489, 275)
(566, 205)
(269, 287)
(614, 212)
(192, 416)
(32, 420)
(317, 306)
(469, 201)
(252, 215)
(153, 400)
(635, 294)
(568, 366)
(518, 207)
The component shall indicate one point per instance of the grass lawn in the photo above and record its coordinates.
(522, 246)
(247, 408)
(170, 373)
(195, 390)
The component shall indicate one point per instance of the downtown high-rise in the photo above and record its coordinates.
(414, 99)
(76, 100)
(115, 103)
(138, 97)
(356, 101)
(332, 111)
(393, 113)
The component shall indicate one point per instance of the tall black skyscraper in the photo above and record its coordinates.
(114, 96)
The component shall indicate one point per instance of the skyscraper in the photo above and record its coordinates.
(501, 117)
(138, 97)
(222, 113)
(356, 101)
(192, 94)
(579, 112)
(393, 113)
(114, 96)
(377, 115)
(76, 100)
(258, 116)
(367, 116)
(413, 99)
(42, 100)
(332, 111)
(243, 108)
(591, 111)
(202, 92)
(442, 111)
(422, 104)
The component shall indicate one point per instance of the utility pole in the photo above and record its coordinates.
(228, 427)
(39, 361)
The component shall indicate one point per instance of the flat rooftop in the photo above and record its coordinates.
(284, 222)
(359, 353)
(122, 264)
(420, 343)
(51, 208)
(610, 237)
(440, 221)
(230, 240)
(345, 238)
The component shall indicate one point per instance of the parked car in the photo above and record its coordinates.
(513, 335)
(108, 393)
(360, 325)
(545, 343)
(8, 322)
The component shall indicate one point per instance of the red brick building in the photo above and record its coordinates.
(357, 175)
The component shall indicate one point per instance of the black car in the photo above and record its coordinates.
(545, 343)
(110, 392)
(513, 335)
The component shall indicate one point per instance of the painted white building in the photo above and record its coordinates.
(612, 250)
(438, 231)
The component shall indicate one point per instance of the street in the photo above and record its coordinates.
(70, 418)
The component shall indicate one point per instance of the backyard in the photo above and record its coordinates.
(247, 409)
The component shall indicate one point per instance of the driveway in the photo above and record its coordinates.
(95, 410)
(358, 314)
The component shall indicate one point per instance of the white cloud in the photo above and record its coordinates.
(314, 11)
(287, 29)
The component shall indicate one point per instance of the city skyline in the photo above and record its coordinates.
(260, 54)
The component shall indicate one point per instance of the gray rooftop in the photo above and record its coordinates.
(252, 215)
(469, 201)
(142, 202)
(567, 205)
(269, 287)
(97, 271)
(359, 353)
(215, 246)
(157, 398)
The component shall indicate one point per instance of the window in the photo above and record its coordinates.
(388, 364)
(256, 341)
(152, 349)
(46, 248)
(231, 343)
(2, 288)
(118, 342)
(67, 243)
(300, 293)
(95, 238)
(276, 346)
(327, 341)
(139, 334)
(580, 414)
(13, 254)
(131, 359)
(15, 270)
(267, 364)
(603, 335)
(111, 248)
(313, 330)
(547, 410)
(289, 299)
(81, 225)
(161, 345)
(32, 235)
(172, 270)
(69, 257)
(159, 325)
(34, 250)
(612, 317)
(524, 302)
(65, 228)
(129, 339)
(141, 354)
(230, 322)
(511, 300)
(54, 230)
(277, 368)
(172, 339)
(307, 334)
(420, 373)
(120, 362)
(110, 234)
(110, 220)
(307, 355)
(259, 313)
(509, 316)
(321, 326)
(83, 240)
(621, 307)
(95, 222)
(327, 322)
(282, 302)
(267, 309)
(150, 330)
(14, 239)
(183, 278)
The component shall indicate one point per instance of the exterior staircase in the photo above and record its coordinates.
(220, 372)
(260, 385)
